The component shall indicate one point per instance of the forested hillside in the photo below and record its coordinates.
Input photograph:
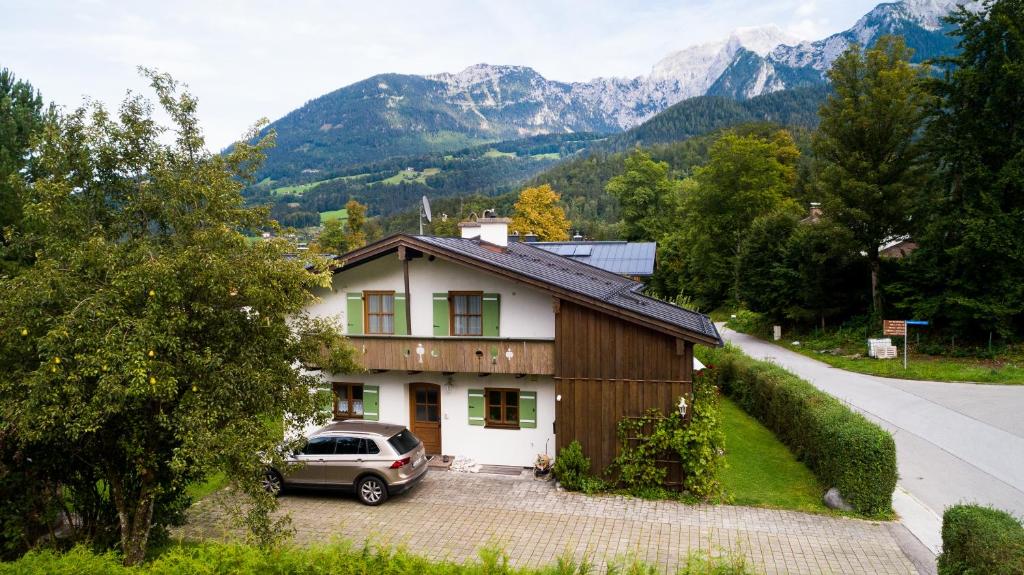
(797, 107)
(396, 184)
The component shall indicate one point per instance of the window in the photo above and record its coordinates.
(467, 313)
(380, 312)
(347, 446)
(348, 401)
(404, 441)
(502, 408)
(319, 446)
(368, 447)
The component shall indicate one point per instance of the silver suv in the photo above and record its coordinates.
(375, 459)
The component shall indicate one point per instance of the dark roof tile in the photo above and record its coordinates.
(586, 280)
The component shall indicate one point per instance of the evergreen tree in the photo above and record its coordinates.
(868, 153)
(538, 212)
(970, 266)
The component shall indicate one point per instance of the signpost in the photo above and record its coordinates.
(901, 327)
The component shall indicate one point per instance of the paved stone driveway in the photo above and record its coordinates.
(451, 515)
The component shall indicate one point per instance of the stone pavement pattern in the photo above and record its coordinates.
(452, 515)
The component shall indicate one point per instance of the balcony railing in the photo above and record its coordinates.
(456, 354)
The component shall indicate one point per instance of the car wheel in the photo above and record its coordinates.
(372, 490)
(272, 482)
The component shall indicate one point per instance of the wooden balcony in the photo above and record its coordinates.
(456, 354)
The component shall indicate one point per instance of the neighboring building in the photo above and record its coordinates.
(501, 351)
(897, 248)
(630, 259)
(894, 248)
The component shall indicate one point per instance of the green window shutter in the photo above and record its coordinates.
(441, 319)
(492, 315)
(400, 318)
(354, 312)
(528, 409)
(371, 402)
(476, 407)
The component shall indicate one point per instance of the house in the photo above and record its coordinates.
(501, 351)
(631, 259)
(897, 247)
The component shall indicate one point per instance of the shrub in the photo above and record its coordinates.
(572, 469)
(841, 447)
(699, 443)
(336, 558)
(980, 540)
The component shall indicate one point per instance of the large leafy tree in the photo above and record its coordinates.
(537, 211)
(969, 270)
(745, 178)
(867, 148)
(799, 269)
(646, 195)
(21, 117)
(355, 225)
(149, 344)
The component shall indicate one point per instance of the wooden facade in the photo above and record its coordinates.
(451, 354)
(608, 368)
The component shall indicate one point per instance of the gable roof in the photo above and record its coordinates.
(564, 277)
(624, 258)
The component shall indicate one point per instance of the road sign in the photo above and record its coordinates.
(894, 327)
(916, 322)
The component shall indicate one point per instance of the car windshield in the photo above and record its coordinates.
(404, 441)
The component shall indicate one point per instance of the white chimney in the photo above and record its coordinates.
(489, 228)
(469, 230)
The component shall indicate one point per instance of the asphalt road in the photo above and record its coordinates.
(956, 442)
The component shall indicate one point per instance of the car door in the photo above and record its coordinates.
(341, 468)
(313, 458)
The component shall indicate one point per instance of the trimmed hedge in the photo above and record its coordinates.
(980, 540)
(841, 447)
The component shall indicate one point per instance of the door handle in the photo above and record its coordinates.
(359, 461)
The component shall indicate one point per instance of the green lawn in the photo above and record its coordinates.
(341, 214)
(925, 367)
(761, 471)
(213, 483)
(549, 156)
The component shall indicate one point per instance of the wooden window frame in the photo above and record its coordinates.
(339, 415)
(503, 423)
(451, 312)
(367, 314)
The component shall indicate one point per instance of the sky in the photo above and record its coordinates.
(247, 60)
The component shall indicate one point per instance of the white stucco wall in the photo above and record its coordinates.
(518, 447)
(525, 312)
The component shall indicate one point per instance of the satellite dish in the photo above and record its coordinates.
(426, 209)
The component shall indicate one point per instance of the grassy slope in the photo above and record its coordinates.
(761, 471)
(341, 214)
(413, 176)
(923, 367)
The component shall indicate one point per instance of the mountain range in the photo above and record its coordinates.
(392, 115)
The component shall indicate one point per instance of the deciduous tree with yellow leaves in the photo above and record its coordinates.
(538, 212)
